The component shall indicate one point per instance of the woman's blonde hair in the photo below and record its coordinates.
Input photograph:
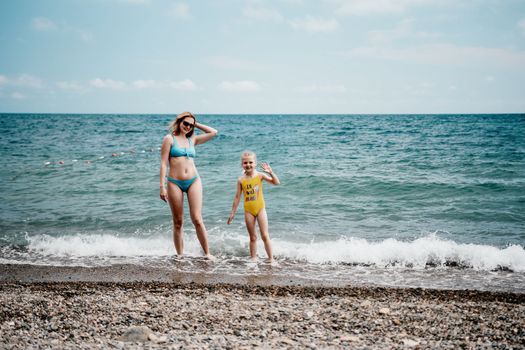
(175, 124)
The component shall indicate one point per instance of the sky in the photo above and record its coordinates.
(254, 57)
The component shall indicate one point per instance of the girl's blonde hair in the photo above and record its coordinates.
(175, 124)
(248, 154)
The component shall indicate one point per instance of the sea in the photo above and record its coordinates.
(412, 201)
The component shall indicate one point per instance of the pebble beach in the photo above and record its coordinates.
(49, 312)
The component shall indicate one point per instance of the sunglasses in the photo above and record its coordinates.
(188, 124)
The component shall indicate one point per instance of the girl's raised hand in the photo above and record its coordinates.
(266, 167)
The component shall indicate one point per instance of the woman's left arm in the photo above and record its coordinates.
(209, 133)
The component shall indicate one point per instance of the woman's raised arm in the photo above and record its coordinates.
(209, 133)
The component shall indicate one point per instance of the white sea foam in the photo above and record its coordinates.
(417, 254)
(104, 245)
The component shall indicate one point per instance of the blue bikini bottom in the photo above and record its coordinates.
(184, 185)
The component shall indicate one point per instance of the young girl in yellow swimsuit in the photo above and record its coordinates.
(250, 184)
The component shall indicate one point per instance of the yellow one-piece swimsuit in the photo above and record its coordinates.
(253, 195)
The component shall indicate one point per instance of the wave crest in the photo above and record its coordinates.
(421, 253)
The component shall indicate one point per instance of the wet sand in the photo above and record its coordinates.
(137, 307)
(136, 273)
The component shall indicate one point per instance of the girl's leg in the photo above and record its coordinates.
(250, 226)
(176, 201)
(195, 204)
(262, 219)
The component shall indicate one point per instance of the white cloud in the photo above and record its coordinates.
(135, 2)
(366, 7)
(85, 35)
(239, 86)
(140, 84)
(443, 54)
(43, 24)
(145, 84)
(403, 29)
(521, 26)
(228, 62)
(320, 88)
(315, 25)
(18, 96)
(262, 14)
(180, 10)
(69, 85)
(23, 80)
(108, 84)
(186, 85)
(27, 80)
(421, 89)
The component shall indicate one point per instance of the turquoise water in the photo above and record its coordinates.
(403, 192)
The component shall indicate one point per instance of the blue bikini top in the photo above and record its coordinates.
(176, 151)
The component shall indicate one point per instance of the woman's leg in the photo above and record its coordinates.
(249, 219)
(262, 220)
(195, 204)
(176, 201)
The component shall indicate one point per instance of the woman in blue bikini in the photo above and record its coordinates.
(177, 152)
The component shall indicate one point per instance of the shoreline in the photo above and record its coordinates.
(133, 274)
(196, 311)
(126, 273)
